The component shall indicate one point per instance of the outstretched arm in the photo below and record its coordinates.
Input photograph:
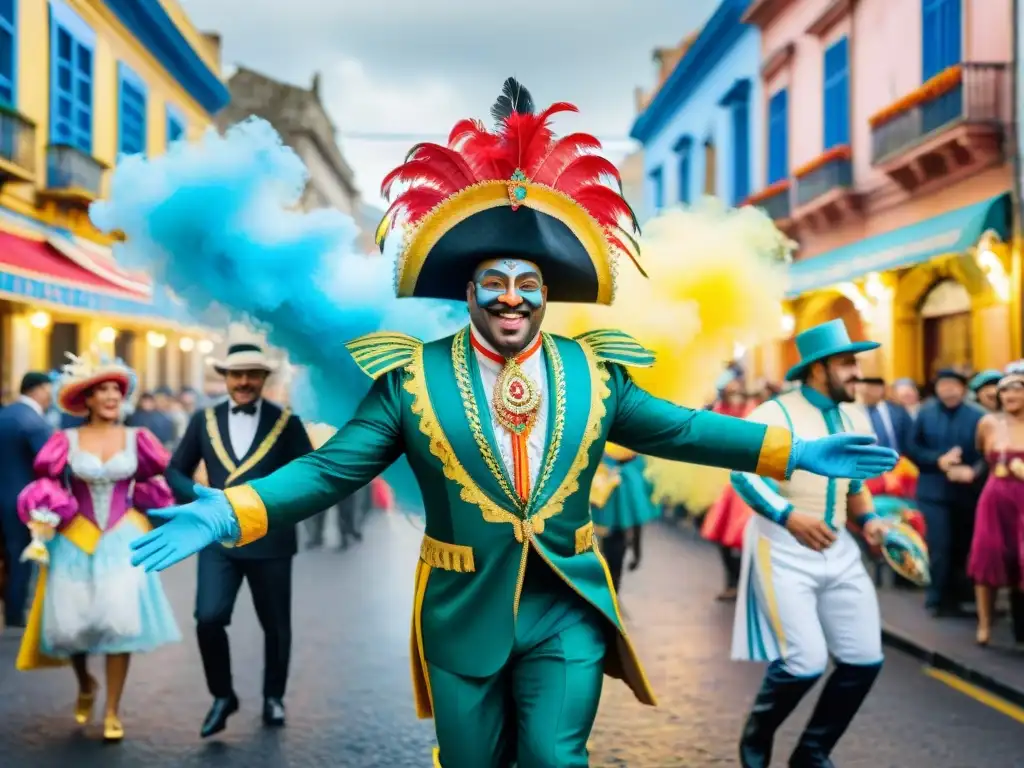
(356, 454)
(656, 427)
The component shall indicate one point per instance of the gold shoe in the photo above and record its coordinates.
(112, 728)
(85, 702)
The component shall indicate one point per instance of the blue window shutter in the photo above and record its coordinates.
(941, 35)
(131, 112)
(684, 176)
(778, 137)
(8, 51)
(71, 76)
(741, 151)
(952, 31)
(836, 96)
(175, 125)
(657, 189)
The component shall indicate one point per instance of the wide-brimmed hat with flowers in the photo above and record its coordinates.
(81, 375)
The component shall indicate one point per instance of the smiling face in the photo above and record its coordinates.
(506, 301)
(104, 402)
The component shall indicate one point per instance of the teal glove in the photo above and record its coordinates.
(189, 529)
(857, 457)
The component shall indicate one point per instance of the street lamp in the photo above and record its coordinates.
(205, 346)
(156, 340)
(40, 320)
(107, 335)
(186, 344)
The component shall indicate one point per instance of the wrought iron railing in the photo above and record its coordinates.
(776, 205)
(17, 140)
(826, 177)
(69, 168)
(980, 94)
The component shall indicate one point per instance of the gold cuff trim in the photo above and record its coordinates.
(447, 557)
(585, 538)
(773, 461)
(437, 757)
(250, 513)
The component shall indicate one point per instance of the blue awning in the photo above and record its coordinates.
(952, 232)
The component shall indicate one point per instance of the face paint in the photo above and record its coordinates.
(511, 282)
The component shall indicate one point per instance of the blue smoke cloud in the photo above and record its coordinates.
(218, 222)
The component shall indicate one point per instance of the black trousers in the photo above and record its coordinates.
(732, 562)
(949, 528)
(17, 575)
(346, 525)
(270, 581)
(613, 547)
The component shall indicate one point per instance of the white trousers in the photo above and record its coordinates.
(802, 606)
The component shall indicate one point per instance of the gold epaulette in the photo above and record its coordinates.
(379, 353)
(613, 346)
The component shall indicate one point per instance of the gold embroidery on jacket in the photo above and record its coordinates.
(447, 557)
(584, 538)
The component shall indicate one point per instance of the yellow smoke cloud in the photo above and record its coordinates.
(716, 280)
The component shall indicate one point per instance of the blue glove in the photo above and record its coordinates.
(857, 457)
(189, 529)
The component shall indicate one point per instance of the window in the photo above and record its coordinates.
(131, 100)
(175, 125)
(683, 149)
(778, 137)
(836, 98)
(941, 30)
(710, 167)
(71, 72)
(740, 114)
(8, 60)
(657, 189)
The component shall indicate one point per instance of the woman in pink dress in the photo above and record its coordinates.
(84, 510)
(726, 520)
(997, 549)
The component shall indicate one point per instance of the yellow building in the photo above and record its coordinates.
(83, 82)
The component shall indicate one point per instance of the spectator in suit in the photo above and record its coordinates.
(890, 421)
(148, 417)
(943, 445)
(906, 393)
(350, 510)
(23, 432)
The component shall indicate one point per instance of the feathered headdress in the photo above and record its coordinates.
(81, 374)
(515, 191)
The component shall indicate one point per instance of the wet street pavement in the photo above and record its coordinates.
(349, 699)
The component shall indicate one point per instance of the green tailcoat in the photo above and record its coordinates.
(428, 402)
(631, 503)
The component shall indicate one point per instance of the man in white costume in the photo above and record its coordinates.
(804, 592)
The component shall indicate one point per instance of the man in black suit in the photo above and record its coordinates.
(240, 440)
(891, 422)
(23, 432)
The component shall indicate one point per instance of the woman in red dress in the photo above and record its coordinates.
(725, 521)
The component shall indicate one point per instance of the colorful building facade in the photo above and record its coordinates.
(82, 83)
(699, 128)
(889, 160)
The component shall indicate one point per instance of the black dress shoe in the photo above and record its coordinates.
(217, 718)
(273, 712)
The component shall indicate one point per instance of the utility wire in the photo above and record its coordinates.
(406, 137)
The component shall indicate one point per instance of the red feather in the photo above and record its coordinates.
(537, 148)
(464, 129)
(604, 204)
(583, 171)
(445, 160)
(560, 154)
(419, 172)
(415, 203)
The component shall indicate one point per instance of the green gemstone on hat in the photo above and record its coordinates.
(518, 175)
(520, 193)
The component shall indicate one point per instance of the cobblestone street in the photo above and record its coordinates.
(349, 700)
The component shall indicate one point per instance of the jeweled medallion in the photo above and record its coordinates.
(516, 399)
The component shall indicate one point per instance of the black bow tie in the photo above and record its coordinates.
(249, 408)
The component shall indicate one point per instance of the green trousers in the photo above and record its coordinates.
(537, 712)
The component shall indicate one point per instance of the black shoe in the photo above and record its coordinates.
(217, 718)
(779, 695)
(273, 712)
(845, 691)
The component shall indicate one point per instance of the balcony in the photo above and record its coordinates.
(72, 176)
(824, 190)
(17, 147)
(774, 201)
(951, 126)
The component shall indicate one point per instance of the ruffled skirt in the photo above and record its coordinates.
(727, 520)
(997, 549)
(100, 603)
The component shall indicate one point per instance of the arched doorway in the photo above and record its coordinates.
(945, 313)
(819, 308)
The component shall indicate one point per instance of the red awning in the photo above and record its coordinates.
(40, 260)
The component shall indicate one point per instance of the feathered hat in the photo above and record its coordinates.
(513, 191)
(81, 375)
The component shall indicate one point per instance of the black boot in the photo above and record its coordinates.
(779, 695)
(1017, 615)
(845, 691)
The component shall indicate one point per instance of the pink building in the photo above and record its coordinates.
(888, 156)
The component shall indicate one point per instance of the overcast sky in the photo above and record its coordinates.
(414, 67)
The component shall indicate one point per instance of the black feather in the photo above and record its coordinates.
(514, 98)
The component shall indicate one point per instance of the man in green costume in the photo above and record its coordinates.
(515, 620)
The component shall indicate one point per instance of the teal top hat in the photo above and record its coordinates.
(822, 341)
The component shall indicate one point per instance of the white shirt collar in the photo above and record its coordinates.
(31, 404)
(487, 362)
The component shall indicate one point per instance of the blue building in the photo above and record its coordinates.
(701, 129)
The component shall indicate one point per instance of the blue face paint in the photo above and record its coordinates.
(502, 281)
